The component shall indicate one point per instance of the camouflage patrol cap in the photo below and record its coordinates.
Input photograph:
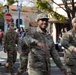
(74, 20)
(11, 24)
(42, 16)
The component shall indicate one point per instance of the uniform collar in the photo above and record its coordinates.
(39, 30)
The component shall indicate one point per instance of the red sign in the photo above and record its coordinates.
(8, 17)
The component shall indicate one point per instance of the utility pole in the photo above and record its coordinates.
(19, 6)
(6, 11)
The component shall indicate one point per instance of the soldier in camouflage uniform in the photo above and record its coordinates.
(41, 46)
(10, 41)
(24, 55)
(23, 58)
(69, 43)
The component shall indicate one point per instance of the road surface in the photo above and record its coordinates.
(3, 56)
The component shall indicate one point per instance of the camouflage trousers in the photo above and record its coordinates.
(38, 63)
(11, 59)
(37, 72)
(71, 69)
(23, 64)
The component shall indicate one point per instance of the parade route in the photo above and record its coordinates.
(3, 57)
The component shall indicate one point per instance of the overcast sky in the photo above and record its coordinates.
(24, 2)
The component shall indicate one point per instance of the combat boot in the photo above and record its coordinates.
(1, 73)
(12, 74)
(19, 73)
(7, 67)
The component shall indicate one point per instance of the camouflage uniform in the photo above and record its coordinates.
(10, 41)
(69, 43)
(38, 58)
(23, 58)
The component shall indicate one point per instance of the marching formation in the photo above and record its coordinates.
(36, 47)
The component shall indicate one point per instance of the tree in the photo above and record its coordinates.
(44, 5)
(70, 10)
(1, 11)
(1, 17)
(10, 2)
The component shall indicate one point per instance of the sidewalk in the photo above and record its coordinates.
(3, 57)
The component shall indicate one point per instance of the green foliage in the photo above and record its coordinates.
(1, 11)
(57, 16)
(44, 5)
(10, 2)
(1, 15)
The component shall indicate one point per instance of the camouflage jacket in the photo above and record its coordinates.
(10, 40)
(34, 35)
(69, 40)
(69, 43)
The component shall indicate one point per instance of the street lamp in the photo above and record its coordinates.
(19, 6)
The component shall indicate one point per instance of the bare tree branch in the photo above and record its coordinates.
(68, 10)
(58, 5)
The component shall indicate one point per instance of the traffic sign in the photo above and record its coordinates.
(8, 17)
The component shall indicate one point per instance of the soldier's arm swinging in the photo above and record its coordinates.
(56, 58)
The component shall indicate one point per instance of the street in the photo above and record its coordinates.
(3, 56)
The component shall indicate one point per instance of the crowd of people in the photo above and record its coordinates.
(36, 47)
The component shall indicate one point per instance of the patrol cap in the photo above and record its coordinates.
(74, 20)
(11, 24)
(42, 16)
